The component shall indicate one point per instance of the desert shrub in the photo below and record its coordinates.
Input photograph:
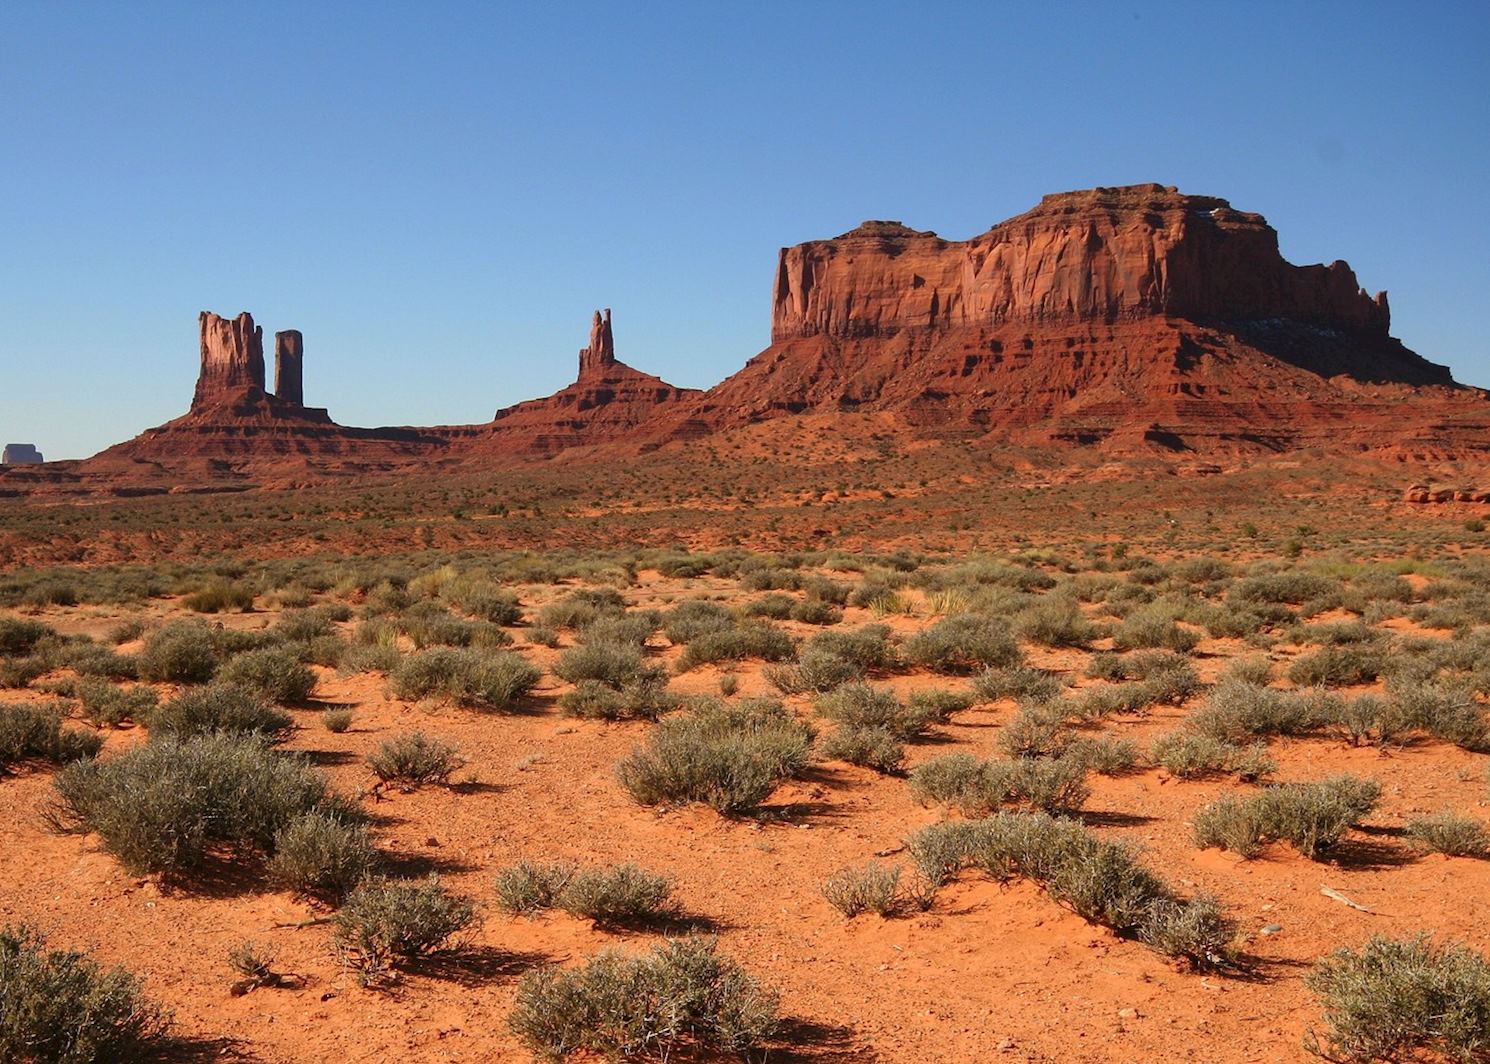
(869, 888)
(35, 733)
(581, 607)
(220, 596)
(481, 679)
(1194, 755)
(303, 626)
(1451, 834)
(616, 665)
(1239, 711)
(771, 579)
(1056, 622)
(19, 672)
(1369, 718)
(529, 887)
(486, 601)
(336, 721)
(321, 854)
(1311, 816)
(813, 671)
(1101, 881)
(860, 705)
(868, 646)
(816, 611)
(692, 618)
(938, 705)
(682, 996)
(593, 700)
(106, 704)
(1338, 666)
(384, 923)
(61, 1007)
(1154, 627)
(1035, 731)
(413, 758)
(218, 707)
(1020, 682)
(19, 636)
(1256, 671)
(963, 643)
(979, 787)
(874, 748)
(1444, 711)
(163, 805)
(730, 757)
(542, 637)
(776, 606)
(1392, 998)
(87, 658)
(754, 639)
(276, 673)
(181, 652)
(621, 895)
(1106, 756)
(1287, 588)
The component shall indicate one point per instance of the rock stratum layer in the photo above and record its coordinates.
(1134, 320)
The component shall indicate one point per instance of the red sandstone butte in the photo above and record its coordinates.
(1132, 318)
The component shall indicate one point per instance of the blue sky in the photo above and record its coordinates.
(438, 195)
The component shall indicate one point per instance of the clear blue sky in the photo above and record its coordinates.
(438, 195)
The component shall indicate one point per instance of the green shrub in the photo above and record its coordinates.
(336, 721)
(218, 707)
(413, 759)
(1154, 626)
(1035, 731)
(60, 1007)
(1020, 682)
(963, 643)
(869, 888)
(1392, 998)
(680, 997)
(1311, 816)
(730, 757)
(384, 923)
(1239, 711)
(621, 895)
(1338, 666)
(220, 596)
(162, 806)
(869, 747)
(1451, 834)
(181, 652)
(19, 636)
(581, 607)
(1192, 755)
(979, 787)
(35, 733)
(616, 665)
(276, 673)
(594, 700)
(321, 854)
(1056, 622)
(480, 679)
(859, 705)
(814, 671)
(106, 705)
(754, 639)
(867, 647)
(1100, 881)
(529, 887)
(1106, 756)
(688, 620)
(816, 611)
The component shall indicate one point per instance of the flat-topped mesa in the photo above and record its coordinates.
(232, 357)
(1102, 255)
(289, 361)
(601, 354)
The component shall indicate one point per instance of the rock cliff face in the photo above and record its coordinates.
(1104, 255)
(608, 402)
(1133, 318)
(232, 357)
(20, 454)
(289, 359)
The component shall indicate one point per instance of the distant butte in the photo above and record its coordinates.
(1134, 320)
